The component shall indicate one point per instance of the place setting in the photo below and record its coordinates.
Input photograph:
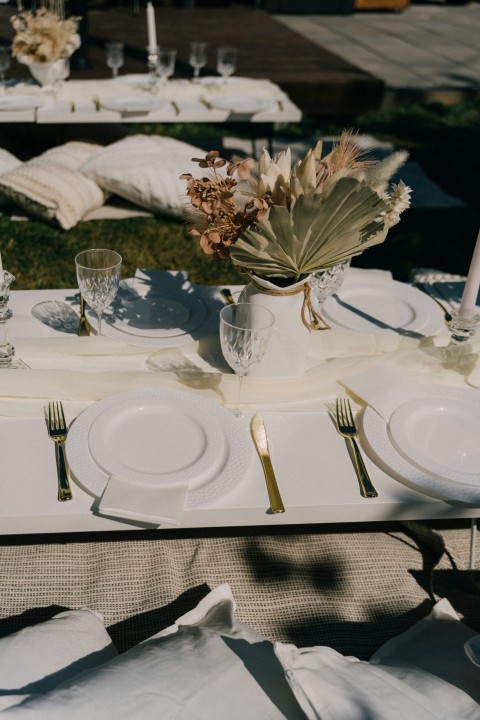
(425, 435)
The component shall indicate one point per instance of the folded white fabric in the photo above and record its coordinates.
(383, 387)
(372, 277)
(143, 503)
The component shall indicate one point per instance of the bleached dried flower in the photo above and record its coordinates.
(43, 37)
(399, 200)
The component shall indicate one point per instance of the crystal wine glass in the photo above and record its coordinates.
(114, 59)
(226, 61)
(5, 54)
(326, 282)
(245, 329)
(166, 64)
(98, 275)
(197, 57)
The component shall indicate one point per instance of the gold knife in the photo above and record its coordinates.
(259, 435)
(84, 327)
(227, 296)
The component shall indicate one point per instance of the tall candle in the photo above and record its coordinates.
(152, 32)
(2, 276)
(472, 286)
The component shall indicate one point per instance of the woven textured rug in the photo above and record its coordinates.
(351, 589)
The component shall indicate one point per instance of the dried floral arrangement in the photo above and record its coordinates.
(283, 222)
(43, 36)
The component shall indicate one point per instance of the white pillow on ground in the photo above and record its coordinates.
(40, 657)
(51, 187)
(207, 666)
(393, 685)
(146, 169)
(8, 161)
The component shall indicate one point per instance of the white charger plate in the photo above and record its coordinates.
(154, 319)
(244, 104)
(20, 102)
(154, 441)
(440, 436)
(134, 103)
(382, 451)
(396, 308)
(237, 455)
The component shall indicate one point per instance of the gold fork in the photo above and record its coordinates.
(57, 430)
(347, 429)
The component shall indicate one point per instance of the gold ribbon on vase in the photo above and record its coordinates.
(310, 317)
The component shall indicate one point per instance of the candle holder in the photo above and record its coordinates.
(7, 351)
(462, 329)
(152, 65)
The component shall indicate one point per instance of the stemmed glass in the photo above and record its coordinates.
(245, 329)
(198, 57)
(114, 60)
(4, 61)
(166, 64)
(98, 276)
(226, 61)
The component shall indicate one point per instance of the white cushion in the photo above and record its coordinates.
(146, 171)
(207, 666)
(8, 161)
(38, 658)
(394, 685)
(50, 186)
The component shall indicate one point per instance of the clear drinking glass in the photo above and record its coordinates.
(328, 281)
(98, 276)
(166, 64)
(245, 329)
(226, 61)
(114, 56)
(5, 59)
(198, 57)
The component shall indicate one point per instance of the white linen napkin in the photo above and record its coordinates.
(384, 388)
(144, 503)
(372, 277)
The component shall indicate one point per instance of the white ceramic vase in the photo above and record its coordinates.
(47, 73)
(287, 350)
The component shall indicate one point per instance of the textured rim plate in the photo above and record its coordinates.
(154, 441)
(134, 103)
(242, 103)
(157, 316)
(379, 445)
(238, 453)
(394, 308)
(440, 436)
(20, 102)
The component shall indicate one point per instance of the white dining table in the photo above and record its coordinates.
(314, 470)
(128, 99)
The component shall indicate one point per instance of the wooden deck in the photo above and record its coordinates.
(319, 82)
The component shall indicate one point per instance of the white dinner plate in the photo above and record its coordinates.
(245, 104)
(220, 476)
(157, 315)
(134, 103)
(440, 435)
(396, 308)
(156, 441)
(380, 448)
(168, 318)
(20, 102)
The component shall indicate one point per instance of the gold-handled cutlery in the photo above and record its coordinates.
(259, 435)
(175, 107)
(424, 288)
(227, 296)
(347, 429)
(57, 430)
(84, 327)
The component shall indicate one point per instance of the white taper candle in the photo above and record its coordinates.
(472, 286)
(151, 29)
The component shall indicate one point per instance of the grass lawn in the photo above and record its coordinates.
(443, 140)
